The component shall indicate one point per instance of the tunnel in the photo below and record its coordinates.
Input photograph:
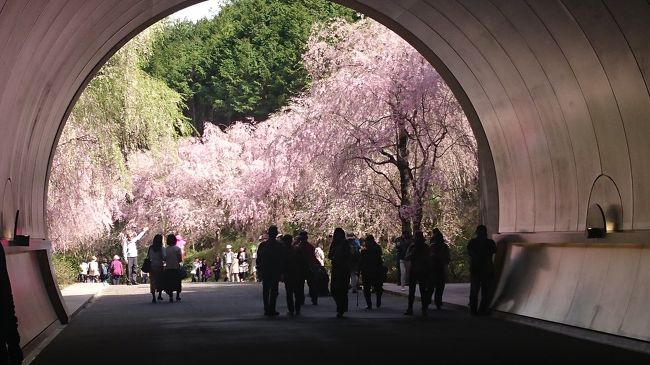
(556, 92)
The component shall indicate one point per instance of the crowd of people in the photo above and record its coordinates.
(293, 260)
(281, 258)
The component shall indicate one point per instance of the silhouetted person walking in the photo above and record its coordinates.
(371, 269)
(294, 275)
(439, 266)
(271, 260)
(419, 256)
(10, 351)
(341, 255)
(312, 266)
(481, 250)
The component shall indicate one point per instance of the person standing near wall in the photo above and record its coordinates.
(10, 351)
(481, 252)
(130, 254)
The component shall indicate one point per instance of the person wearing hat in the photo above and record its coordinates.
(93, 269)
(228, 258)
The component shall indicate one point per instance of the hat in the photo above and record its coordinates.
(228, 246)
(116, 257)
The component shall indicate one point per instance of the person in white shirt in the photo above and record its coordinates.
(320, 254)
(93, 270)
(130, 254)
(227, 259)
(83, 272)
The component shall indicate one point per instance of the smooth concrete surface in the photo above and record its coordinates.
(223, 323)
(556, 92)
(603, 288)
(76, 296)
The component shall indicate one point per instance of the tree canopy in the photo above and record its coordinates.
(243, 64)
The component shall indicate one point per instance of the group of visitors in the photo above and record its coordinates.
(281, 258)
(237, 265)
(92, 271)
(427, 267)
(166, 268)
(294, 261)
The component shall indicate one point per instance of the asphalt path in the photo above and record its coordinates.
(224, 324)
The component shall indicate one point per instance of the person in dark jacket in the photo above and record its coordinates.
(271, 260)
(294, 275)
(340, 254)
(371, 269)
(481, 250)
(419, 256)
(312, 265)
(10, 351)
(439, 266)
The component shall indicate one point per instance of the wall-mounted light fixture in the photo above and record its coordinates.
(596, 227)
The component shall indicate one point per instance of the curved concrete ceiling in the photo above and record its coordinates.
(557, 92)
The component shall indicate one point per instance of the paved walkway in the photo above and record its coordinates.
(77, 295)
(223, 323)
(454, 294)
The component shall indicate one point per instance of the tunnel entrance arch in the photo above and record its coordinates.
(556, 92)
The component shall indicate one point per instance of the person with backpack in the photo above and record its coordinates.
(354, 261)
(404, 265)
(116, 270)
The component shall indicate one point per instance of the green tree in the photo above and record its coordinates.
(245, 63)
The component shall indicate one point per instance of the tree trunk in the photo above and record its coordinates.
(404, 176)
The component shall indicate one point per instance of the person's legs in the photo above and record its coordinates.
(412, 284)
(266, 291)
(288, 288)
(403, 273)
(228, 268)
(132, 266)
(379, 290)
(475, 286)
(486, 295)
(366, 292)
(423, 283)
(312, 283)
(273, 296)
(299, 294)
(440, 289)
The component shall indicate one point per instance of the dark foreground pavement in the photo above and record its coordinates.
(223, 324)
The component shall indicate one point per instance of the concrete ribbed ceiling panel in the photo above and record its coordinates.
(556, 91)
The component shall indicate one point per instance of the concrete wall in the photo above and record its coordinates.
(556, 92)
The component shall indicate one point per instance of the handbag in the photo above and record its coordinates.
(182, 273)
(146, 265)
